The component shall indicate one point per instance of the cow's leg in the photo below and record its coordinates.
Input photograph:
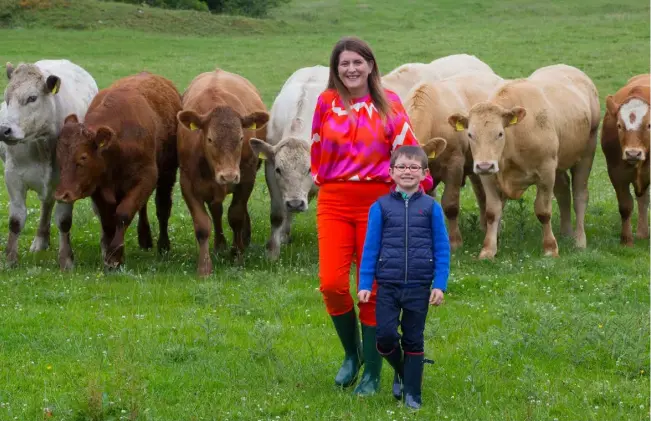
(164, 190)
(450, 204)
(642, 215)
(17, 214)
(104, 239)
(278, 212)
(201, 222)
(106, 214)
(580, 175)
(287, 228)
(217, 211)
(63, 219)
(543, 209)
(564, 198)
(480, 195)
(238, 215)
(134, 200)
(42, 239)
(625, 202)
(144, 230)
(494, 208)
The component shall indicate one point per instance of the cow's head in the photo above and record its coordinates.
(82, 155)
(487, 127)
(290, 159)
(632, 126)
(31, 111)
(222, 138)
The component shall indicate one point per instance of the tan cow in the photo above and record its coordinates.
(429, 104)
(531, 132)
(625, 143)
(222, 111)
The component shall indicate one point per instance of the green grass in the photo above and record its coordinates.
(520, 338)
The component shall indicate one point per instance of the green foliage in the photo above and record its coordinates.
(522, 337)
(253, 8)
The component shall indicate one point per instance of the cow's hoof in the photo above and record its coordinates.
(163, 245)
(66, 263)
(551, 253)
(486, 254)
(626, 241)
(39, 244)
(642, 235)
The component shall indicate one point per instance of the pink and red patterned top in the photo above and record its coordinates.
(359, 148)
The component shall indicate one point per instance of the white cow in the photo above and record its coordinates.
(38, 98)
(403, 78)
(287, 151)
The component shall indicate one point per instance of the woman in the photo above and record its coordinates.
(356, 126)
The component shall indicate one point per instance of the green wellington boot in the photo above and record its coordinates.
(346, 327)
(413, 380)
(370, 382)
(394, 358)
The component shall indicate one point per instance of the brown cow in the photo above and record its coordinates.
(625, 143)
(125, 149)
(429, 104)
(222, 111)
(530, 132)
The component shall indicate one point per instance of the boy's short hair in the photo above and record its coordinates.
(411, 152)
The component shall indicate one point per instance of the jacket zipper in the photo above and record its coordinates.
(406, 237)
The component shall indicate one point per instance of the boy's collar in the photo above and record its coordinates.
(399, 193)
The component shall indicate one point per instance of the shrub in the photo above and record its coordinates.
(253, 8)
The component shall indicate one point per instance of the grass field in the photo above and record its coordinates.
(522, 337)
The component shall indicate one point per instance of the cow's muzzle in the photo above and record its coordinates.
(486, 167)
(296, 205)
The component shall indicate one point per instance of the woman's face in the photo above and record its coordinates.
(353, 71)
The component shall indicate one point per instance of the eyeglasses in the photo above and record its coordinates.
(403, 168)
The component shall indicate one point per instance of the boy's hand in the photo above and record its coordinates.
(436, 297)
(364, 296)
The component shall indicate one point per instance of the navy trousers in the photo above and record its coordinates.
(413, 301)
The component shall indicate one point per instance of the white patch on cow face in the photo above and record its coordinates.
(632, 113)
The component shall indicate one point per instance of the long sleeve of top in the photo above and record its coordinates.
(357, 147)
(371, 250)
(441, 247)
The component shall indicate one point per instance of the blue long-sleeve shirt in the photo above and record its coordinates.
(372, 245)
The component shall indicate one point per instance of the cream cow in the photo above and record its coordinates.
(531, 132)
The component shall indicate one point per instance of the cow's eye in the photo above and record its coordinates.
(470, 135)
(308, 172)
(500, 134)
(31, 98)
(619, 126)
(210, 140)
(278, 171)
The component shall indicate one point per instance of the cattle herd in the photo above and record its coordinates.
(65, 139)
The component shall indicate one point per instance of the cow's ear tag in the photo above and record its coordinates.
(513, 120)
(459, 127)
(101, 144)
(55, 89)
(253, 126)
(432, 155)
(193, 126)
(261, 156)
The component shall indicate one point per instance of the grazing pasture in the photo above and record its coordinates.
(521, 337)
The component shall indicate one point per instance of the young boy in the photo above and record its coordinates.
(406, 251)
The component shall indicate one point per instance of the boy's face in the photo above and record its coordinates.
(407, 173)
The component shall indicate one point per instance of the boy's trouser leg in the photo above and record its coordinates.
(388, 338)
(415, 304)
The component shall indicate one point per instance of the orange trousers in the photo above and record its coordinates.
(341, 217)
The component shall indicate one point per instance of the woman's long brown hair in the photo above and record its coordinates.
(375, 88)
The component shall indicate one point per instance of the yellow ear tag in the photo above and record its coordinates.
(193, 126)
(55, 89)
(513, 120)
(101, 144)
(459, 127)
(253, 126)
(261, 156)
(432, 155)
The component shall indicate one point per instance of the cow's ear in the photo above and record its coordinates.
(71, 119)
(262, 149)
(458, 121)
(190, 120)
(256, 120)
(104, 137)
(611, 105)
(10, 70)
(52, 84)
(434, 147)
(514, 116)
